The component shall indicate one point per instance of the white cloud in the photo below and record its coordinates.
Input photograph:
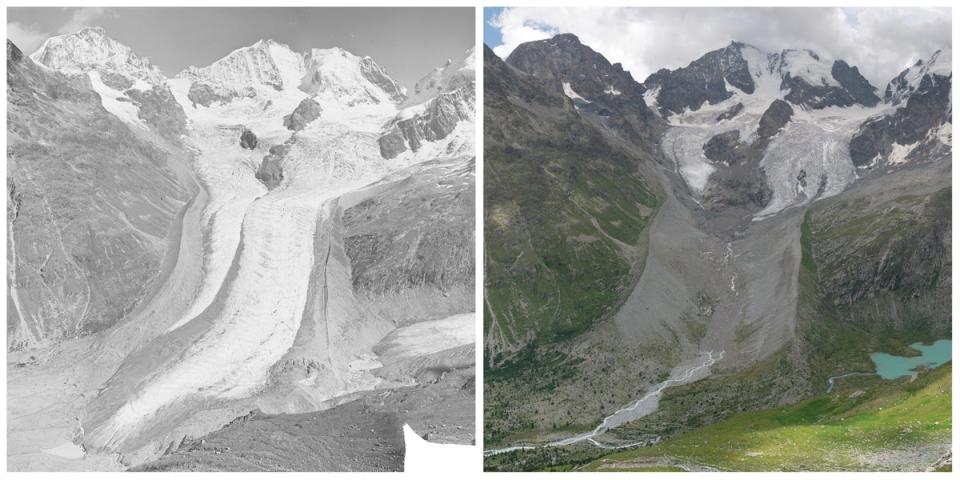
(26, 37)
(82, 17)
(881, 42)
(516, 30)
(29, 37)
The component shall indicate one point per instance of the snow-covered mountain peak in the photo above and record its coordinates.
(342, 77)
(939, 64)
(809, 66)
(801, 77)
(266, 63)
(452, 75)
(90, 49)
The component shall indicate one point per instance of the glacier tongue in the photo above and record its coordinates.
(259, 243)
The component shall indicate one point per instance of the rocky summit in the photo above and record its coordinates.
(202, 261)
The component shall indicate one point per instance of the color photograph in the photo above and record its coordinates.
(717, 239)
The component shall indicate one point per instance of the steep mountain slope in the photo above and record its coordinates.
(919, 127)
(804, 76)
(94, 204)
(292, 265)
(565, 213)
(568, 203)
(753, 149)
(442, 102)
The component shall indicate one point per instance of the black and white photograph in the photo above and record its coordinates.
(238, 239)
(460, 239)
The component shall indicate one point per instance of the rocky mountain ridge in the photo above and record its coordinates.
(802, 77)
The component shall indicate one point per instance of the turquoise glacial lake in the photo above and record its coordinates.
(931, 356)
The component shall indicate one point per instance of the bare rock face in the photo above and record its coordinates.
(438, 119)
(248, 139)
(271, 169)
(376, 75)
(307, 111)
(855, 85)
(740, 181)
(923, 108)
(206, 95)
(704, 80)
(564, 59)
(606, 89)
(115, 81)
(777, 115)
(730, 112)
(160, 110)
(882, 251)
(725, 147)
(14, 55)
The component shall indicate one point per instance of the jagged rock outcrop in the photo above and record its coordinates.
(446, 98)
(438, 119)
(903, 85)
(920, 125)
(704, 80)
(307, 111)
(807, 78)
(776, 116)
(563, 59)
(726, 147)
(116, 81)
(859, 89)
(206, 95)
(248, 139)
(379, 77)
(159, 110)
(740, 179)
(850, 88)
(14, 55)
(591, 82)
(270, 171)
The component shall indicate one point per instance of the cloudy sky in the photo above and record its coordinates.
(408, 42)
(881, 42)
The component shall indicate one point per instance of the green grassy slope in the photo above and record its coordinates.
(564, 215)
(852, 429)
(874, 276)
